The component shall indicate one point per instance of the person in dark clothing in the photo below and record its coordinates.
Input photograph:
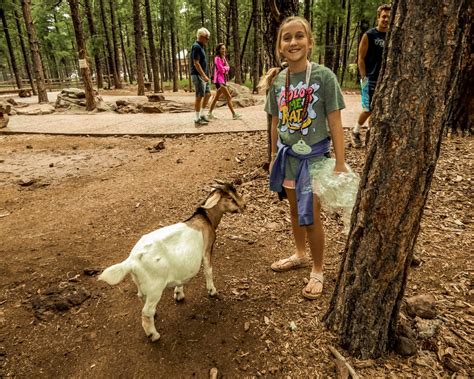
(370, 60)
(200, 76)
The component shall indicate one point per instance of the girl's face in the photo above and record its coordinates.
(294, 43)
(222, 50)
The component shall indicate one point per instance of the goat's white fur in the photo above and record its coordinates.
(170, 257)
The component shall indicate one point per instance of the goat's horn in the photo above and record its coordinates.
(218, 181)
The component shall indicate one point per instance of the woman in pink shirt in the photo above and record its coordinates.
(221, 68)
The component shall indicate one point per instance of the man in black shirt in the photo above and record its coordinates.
(369, 63)
(200, 76)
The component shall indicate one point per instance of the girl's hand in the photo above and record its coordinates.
(272, 161)
(340, 167)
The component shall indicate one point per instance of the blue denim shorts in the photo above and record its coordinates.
(200, 86)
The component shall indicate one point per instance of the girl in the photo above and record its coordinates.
(221, 68)
(303, 100)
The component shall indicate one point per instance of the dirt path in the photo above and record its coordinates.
(71, 206)
(109, 123)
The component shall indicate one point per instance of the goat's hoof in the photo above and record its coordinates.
(155, 337)
(212, 292)
(178, 298)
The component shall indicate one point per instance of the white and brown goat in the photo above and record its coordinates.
(172, 255)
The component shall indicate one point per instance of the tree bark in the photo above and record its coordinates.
(340, 29)
(308, 15)
(463, 108)
(172, 13)
(117, 79)
(26, 57)
(14, 66)
(93, 36)
(137, 24)
(274, 12)
(82, 51)
(151, 45)
(329, 43)
(218, 22)
(236, 41)
(110, 58)
(423, 61)
(345, 42)
(256, 44)
(33, 39)
(244, 46)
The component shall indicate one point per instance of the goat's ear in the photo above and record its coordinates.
(212, 200)
(218, 181)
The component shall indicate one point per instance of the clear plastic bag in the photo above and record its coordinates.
(335, 190)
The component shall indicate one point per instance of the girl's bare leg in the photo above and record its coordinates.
(315, 235)
(215, 99)
(299, 232)
(225, 90)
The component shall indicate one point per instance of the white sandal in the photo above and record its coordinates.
(318, 278)
(290, 263)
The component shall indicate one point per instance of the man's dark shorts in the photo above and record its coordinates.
(200, 86)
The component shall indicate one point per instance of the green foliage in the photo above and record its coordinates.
(57, 40)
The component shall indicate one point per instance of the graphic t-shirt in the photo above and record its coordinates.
(295, 121)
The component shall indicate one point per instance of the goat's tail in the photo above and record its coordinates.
(116, 273)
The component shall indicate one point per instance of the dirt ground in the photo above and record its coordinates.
(71, 206)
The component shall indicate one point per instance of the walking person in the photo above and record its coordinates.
(221, 68)
(303, 100)
(369, 62)
(200, 76)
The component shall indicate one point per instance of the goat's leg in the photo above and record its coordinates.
(211, 289)
(139, 293)
(178, 293)
(148, 313)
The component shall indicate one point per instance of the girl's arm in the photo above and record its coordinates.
(337, 134)
(274, 136)
(219, 62)
(274, 139)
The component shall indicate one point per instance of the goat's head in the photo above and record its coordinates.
(225, 197)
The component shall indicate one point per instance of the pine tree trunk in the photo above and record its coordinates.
(401, 158)
(172, 13)
(126, 68)
(308, 5)
(274, 11)
(244, 46)
(110, 56)
(14, 66)
(137, 24)
(329, 44)
(93, 35)
(345, 42)
(131, 75)
(82, 51)
(179, 58)
(117, 79)
(38, 66)
(236, 41)
(463, 108)
(218, 21)
(26, 57)
(340, 30)
(256, 44)
(149, 74)
(151, 44)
